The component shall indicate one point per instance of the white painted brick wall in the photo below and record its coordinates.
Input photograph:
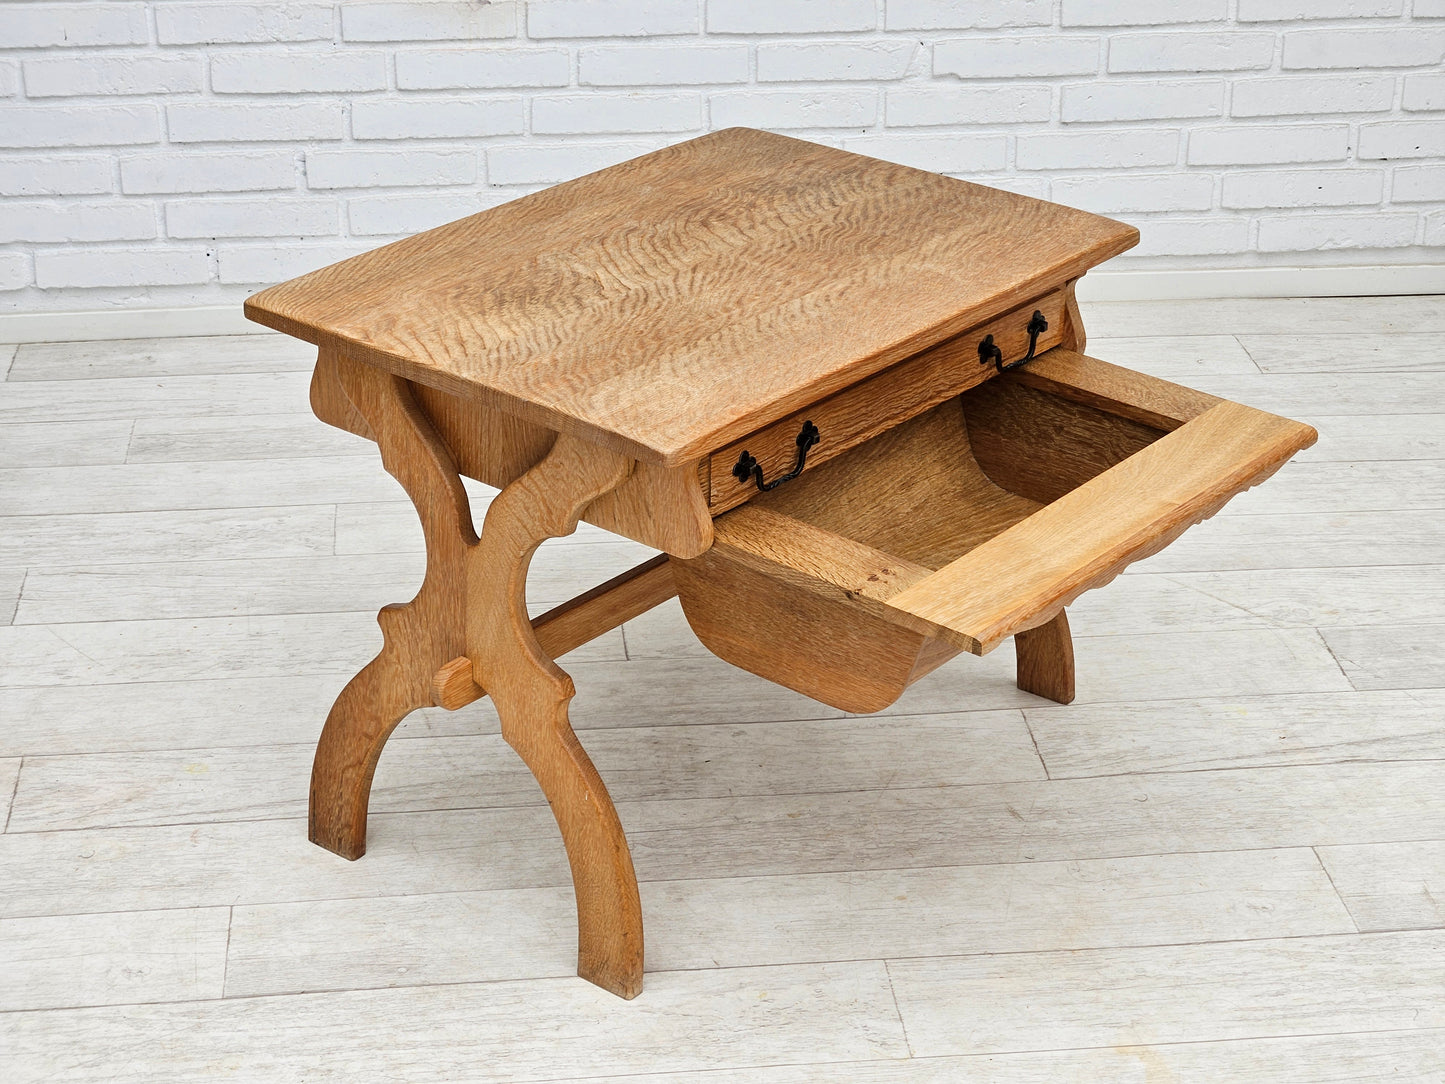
(172, 152)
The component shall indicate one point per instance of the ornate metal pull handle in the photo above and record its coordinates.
(747, 467)
(988, 351)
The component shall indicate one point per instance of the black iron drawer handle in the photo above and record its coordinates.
(988, 350)
(747, 467)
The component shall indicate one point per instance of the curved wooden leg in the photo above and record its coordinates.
(531, 695)
(1046, 660)
(419, 637)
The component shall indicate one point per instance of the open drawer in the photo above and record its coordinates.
(978, 520)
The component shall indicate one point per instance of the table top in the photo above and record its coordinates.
(668, 305)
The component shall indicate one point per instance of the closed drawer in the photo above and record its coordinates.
(976, 520)
(853, 415)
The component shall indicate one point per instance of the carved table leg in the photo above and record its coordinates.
(473, 603)
(419, 636)
(531, 695)
(1046, 660)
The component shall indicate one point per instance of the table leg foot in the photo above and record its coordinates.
(385, 691)
(1046, 660)
(609, 908)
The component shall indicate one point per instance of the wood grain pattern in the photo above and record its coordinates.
(915, 492)
(827, 648)
(881, 402)
(669, 305)
(1028, 573)
(1040, 446)
(1045, 664)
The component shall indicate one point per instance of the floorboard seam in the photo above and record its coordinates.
(898, 1009)
(14, 790)
(1315, 850)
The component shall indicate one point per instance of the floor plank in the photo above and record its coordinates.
(64, 444)
(49, 720)
(290, 708)
(699, 924)
(1252, 599)
(1238, 732)
(180, 535)
(1318, 397)
(271, 861)
(1390, 886)
(1132, 996)
(7, 358)
(275, 585)
(1341, 487)
(481, 771)
(1355, 438)
(1176, 357)
(1335, 539)
(243, 862)
(1286, 598)
(1391, 656)
(1409, 1057)
(264, 353)
(1055, 821)
(498, 1032)
(1404, 314)
(183, 649)
(254, 436)
(152, 487)
(129, 397)
(117, 958)
(1380, 352)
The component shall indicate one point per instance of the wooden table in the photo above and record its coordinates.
(793, 370)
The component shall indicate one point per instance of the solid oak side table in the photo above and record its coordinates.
(846, 399)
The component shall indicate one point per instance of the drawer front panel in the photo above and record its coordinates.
(883, 401)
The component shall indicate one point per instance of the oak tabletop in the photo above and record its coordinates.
(670, 304)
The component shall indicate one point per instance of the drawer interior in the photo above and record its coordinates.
(937, 486)
(974, 521)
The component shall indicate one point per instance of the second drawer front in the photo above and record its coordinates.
(882, 401)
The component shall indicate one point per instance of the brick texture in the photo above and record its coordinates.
(171, 152)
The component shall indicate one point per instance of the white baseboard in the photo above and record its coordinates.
(55, 327)
(1103, 285)
(1177, 285)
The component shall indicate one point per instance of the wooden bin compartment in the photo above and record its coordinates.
(977, 520)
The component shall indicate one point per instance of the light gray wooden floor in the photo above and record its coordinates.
(1224, 862)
